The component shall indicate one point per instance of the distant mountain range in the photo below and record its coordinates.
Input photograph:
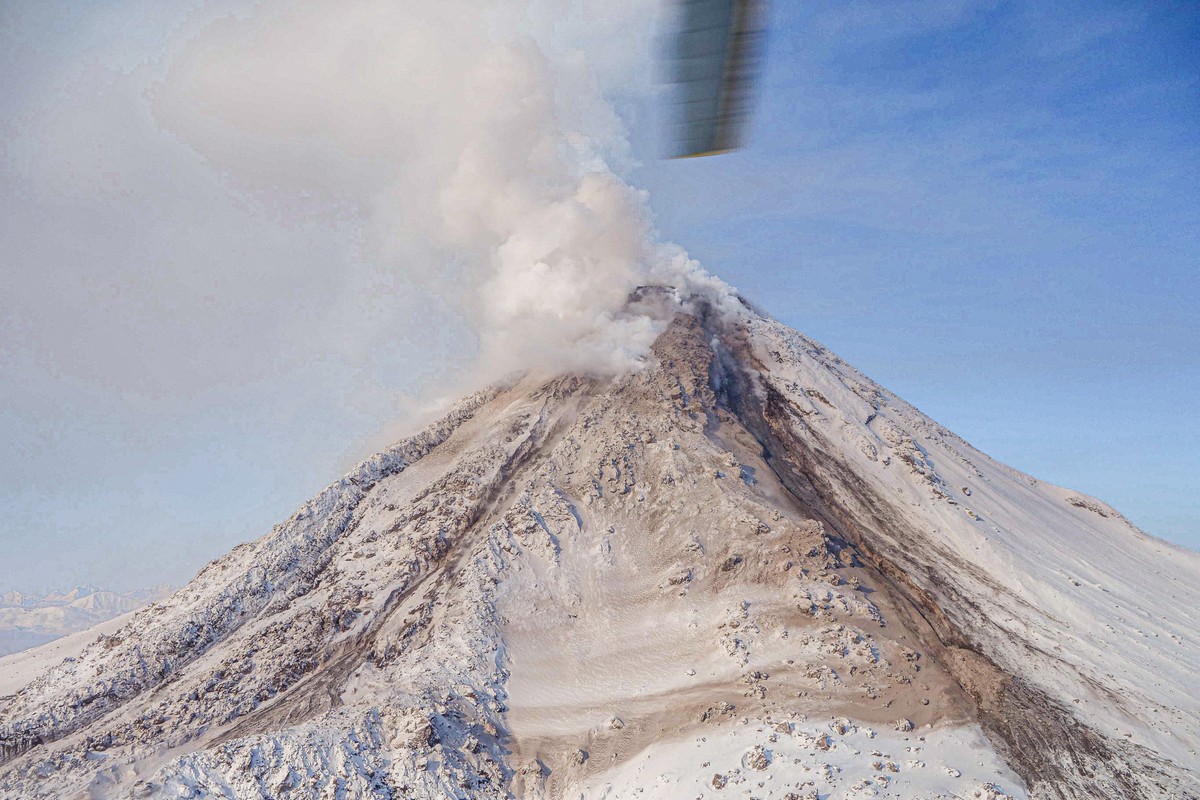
(28, 620)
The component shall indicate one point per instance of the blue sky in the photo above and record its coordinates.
(993, 209)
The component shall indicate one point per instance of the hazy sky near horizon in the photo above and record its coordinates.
(991, 208)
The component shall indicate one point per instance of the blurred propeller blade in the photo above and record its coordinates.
(714, 65)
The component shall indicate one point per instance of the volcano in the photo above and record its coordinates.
(743, 570)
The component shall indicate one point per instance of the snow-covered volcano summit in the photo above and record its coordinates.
(743, 571)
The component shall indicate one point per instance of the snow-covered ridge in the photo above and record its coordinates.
(160, 640)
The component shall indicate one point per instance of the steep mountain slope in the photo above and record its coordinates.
(743, 570)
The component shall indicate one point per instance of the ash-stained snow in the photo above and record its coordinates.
(803, 759)
(742, 571)
(1055, 587)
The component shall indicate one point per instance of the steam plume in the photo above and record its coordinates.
(474, 143)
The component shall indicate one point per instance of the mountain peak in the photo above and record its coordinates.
(743, 561)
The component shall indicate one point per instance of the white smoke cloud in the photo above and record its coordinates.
(472, 142)
(243, 243)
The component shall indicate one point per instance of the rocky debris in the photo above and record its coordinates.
(903, 725)
(754, 681)
(731, 563)
(757, 759)
(842, 726)
(682, 577)
(719, 781)
(723, 709)
(803, 794)
(1089, 505)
